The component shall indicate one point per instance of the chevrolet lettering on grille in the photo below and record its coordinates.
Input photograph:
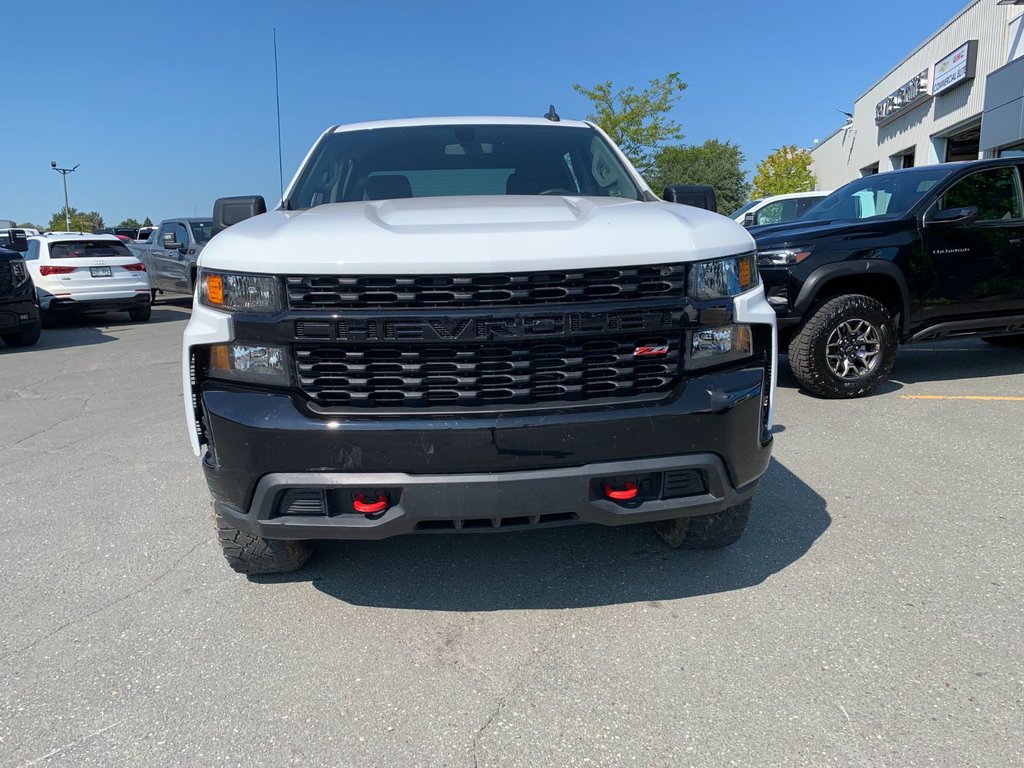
(475, 329)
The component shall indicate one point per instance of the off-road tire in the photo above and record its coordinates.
(26, 337)
(1013, 340)
(141, 314)
(713, 531)
(807, 356)
(255, 555)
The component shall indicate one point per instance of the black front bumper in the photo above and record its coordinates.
(492, 471)
(18, 308)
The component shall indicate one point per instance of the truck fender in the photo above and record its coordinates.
(823, 275)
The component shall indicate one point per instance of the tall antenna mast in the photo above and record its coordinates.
(277, 95)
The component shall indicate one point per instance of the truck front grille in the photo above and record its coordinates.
(6, 276)
(487, 290)
(521, 373)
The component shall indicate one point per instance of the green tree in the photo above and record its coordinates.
(786, 170)
(30, 225)
(637, 121)
(148, 222)
(129, 222)
(715, 163)
(81, 221)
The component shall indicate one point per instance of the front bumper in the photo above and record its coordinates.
(17, 314)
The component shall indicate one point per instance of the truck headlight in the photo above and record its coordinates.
(19, 271)
(720, 278)
(253, 363)
(782, 257)
(722, 344)
(239, 292)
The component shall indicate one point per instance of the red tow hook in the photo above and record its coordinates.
(628, 493)
(370, 507)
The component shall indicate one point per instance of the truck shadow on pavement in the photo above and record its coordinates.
(575, 567)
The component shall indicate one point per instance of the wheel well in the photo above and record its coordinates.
(881, 288)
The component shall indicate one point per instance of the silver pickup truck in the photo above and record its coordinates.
(171, 252)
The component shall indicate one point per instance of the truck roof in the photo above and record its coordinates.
(466, 120)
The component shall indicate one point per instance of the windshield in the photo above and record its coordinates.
(447, 160)
(202, 231)
(740, 211)
(883, 194)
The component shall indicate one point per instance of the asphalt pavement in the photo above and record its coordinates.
(871, 616)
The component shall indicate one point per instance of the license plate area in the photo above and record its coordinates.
(100, 272)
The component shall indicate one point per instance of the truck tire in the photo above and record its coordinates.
(26, 337)
(141, 314)
(1014, 340)
(846, 348)
(714, 531)
(255, 555)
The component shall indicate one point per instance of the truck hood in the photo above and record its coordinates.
(473, 234)
(807, 232)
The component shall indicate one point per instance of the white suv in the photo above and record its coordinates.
(777, 208)
(75, 272)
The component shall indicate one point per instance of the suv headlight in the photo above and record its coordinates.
(720, 278)
(19, 271)
(259, 294)
(782, 257)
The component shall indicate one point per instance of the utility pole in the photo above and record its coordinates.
(277, 96)
(64, 174)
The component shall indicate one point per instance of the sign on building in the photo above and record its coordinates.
(907, 96)
(956, 68)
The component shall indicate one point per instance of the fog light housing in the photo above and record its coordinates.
(254, 363)
(722, 344)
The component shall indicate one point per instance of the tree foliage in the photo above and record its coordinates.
(130, 222)
(715, 163)
(30, 225)
(148, 222)
(786, 170)
(81, 221)
(637, 120)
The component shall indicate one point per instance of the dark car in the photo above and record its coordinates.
(920, 254)
(19, 307)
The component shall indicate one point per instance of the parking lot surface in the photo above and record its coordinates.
(871, 616)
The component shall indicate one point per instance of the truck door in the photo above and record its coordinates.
(163, 261)
(177, 257)
(976, 265)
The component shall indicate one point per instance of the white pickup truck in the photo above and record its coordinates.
(475, 324)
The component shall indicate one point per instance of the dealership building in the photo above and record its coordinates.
(958, 96)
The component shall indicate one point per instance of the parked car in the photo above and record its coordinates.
(76, 272)
(777, 208)
(919, 254)
(172, 252)
(475, 323)
(19, 307)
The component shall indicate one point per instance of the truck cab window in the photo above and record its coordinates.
(995, 193)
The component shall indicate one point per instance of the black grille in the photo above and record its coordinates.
(487, 290)
(476, 374)
(6, 276)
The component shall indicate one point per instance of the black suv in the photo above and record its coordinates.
(919, 254)
(19, 307)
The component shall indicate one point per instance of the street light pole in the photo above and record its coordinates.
(64, 174)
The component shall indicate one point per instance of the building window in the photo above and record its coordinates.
(871, 170)
(964, 146)
(1017, 150)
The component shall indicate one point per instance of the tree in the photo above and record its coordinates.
(130, 223)
(786, 170)
(715, 163)
(81, 221)
(148, 222)
(637, 121)
(30, 225)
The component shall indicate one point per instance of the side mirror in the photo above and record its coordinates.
(231, 210)
(696, 195)
(749, 220)
(167, 241)
(18, 240)
(961, 216)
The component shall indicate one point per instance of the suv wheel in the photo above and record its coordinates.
(713, 531)
(255, 555)
(846, 348)
(26, 337)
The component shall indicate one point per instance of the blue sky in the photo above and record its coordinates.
(168, 106)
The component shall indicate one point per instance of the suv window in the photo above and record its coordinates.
(446, 160)
(86, 249)
(994, 192)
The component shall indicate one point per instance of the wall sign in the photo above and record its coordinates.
(958, 67)
(904, 98)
